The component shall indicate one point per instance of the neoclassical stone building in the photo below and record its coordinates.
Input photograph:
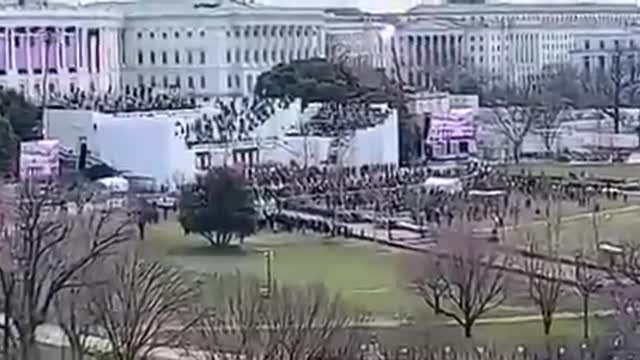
(219, 47)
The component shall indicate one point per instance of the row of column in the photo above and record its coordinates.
(29, 50)
(431, 50)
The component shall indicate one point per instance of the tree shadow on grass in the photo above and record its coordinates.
(208, 250)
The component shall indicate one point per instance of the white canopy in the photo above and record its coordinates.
(486, 192)
(447, 184)
(115, 183)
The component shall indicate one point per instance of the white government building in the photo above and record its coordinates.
(219, 47)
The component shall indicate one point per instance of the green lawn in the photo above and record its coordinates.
(366, 276)
(563, 169)
(577, 231)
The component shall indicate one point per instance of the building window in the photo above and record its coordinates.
(189, 34)
(274, 56)
(178, 81)
(256, 32)
(139, 35)
(247, 56)
(140, 79)
(152, 35)
(203, 58)
(153, 81)
(152, 58)
(229, 81)
(237, 78)
(256, 56)
(190, 82)
(164, 58)
(177, 57)
(229, 56)
(165, 81)
(202, 33)
(203, 160)
(140, 57)
(203, 82)
(238, 56)
(177, 35)
(265, 56)
(189, 57)
(164, 35)
(587, 45)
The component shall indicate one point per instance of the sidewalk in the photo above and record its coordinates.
(52, 335)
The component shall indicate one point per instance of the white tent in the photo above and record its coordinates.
(446, 184)
(116, 183)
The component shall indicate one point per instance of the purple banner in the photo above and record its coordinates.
(3, 51)
(70, 51)
(21, 46)
(36, 45)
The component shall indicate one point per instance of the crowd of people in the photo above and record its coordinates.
(138, 99)
(233, 119)
(332, 119)
(488, 198)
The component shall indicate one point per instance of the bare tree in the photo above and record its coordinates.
(588, 281)
(545, 287)
(144, 306)
(515, 112)
(559, 93)
(612, 86)
(307, 323)
(284, 323)
(473, 279)
(233, 324)
(73, 317)
(48, 249)
(458, 79)
(430, 283)
(626, 301)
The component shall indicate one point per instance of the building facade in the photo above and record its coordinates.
(74, 47)
(220, 47)
(595, 52)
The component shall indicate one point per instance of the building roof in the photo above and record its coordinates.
(550, 7)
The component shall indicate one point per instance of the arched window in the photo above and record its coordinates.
(237, 78)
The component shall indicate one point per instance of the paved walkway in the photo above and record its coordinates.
(52, 335)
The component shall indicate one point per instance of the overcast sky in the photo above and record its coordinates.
(397, 5)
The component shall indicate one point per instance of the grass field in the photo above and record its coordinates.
(563, 169)
(368, 276)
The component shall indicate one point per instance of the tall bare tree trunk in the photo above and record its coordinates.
(28, 345)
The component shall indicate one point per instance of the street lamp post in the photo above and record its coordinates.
(267, 291)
